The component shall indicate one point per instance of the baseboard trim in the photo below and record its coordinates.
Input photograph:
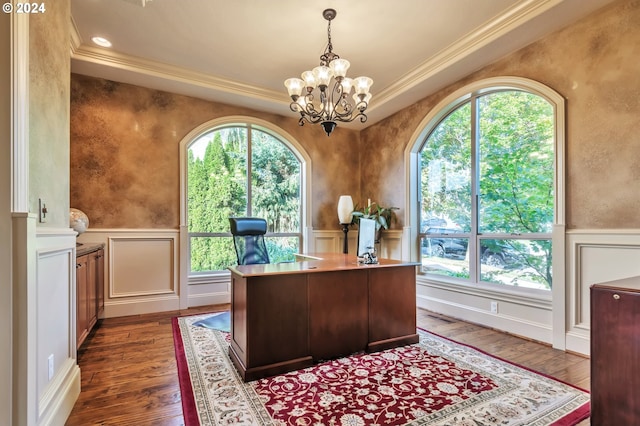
(579, 343)
(209, 299)
(122, 308)
(516, 326)
(62, 402)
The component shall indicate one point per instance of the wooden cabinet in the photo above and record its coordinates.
(82, 314)
(615, 352)
(89, 291)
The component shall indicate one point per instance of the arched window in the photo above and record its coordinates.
(241, 169)
(486, 187)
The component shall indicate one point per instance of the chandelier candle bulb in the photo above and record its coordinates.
(347, 84)
(332, 104)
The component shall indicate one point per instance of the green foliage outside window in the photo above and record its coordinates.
(222, 182)
(509, 137)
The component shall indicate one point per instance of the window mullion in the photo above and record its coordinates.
(474, 260)
(249, 168)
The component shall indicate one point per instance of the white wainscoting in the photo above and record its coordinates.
(210, 289)
(332, 241)
(391, 243)
(54, 331)
(141, 270)
(141, 276)
(594, 257)
(516, 314)
(214, 289)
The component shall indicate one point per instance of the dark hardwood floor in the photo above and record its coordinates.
(129, 374)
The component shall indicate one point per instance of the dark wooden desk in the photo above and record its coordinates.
(287, 316)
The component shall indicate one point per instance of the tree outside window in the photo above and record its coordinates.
(486, 191)
(241, 170)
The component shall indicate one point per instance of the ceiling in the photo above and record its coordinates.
(240, 51)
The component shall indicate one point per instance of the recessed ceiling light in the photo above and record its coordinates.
(101, 41)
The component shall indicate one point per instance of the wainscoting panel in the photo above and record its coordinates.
(594, 257)
(55, 370)
(56, 309)
(332, 242)
(516, 314)
(142, 266)
(141, 270)
(391, 245)
(209, 289)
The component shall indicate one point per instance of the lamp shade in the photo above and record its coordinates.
(362, 85)
(294, 86)
(339, 67)
(309, 79)
(345, 209)
(347, 84)
(322, 75)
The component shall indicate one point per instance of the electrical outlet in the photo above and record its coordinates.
(42, 211)
(50, 366)
(494, 307)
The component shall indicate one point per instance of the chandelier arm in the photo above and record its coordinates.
(314, 119)
(342, 110)
(339, 103)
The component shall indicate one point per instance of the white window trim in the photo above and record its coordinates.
(285, 138)
(432, 119)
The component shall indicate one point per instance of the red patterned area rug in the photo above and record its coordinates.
(434, 382)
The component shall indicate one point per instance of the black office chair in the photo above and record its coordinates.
(248, 240)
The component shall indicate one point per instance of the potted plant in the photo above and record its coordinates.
(383, 216)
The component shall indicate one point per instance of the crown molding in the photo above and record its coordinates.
(105, 57)
(74, 36)
(493, 30)
(472, 42)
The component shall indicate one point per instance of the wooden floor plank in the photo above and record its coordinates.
(129, 374)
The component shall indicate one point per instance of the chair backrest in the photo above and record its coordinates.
(248, 240)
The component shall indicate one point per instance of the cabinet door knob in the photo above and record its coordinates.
(616, 296)
(78, 265)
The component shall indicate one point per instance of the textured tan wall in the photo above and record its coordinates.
(594, 64)
(127, 176)
(125, 168)
(49, 69)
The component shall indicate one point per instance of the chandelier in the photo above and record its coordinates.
(327, 88)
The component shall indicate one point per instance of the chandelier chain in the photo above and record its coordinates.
(328, 54)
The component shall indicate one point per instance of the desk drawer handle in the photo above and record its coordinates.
(616, 296)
